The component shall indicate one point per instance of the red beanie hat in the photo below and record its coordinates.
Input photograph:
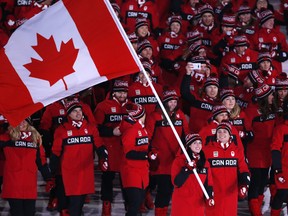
(263, 91)
(190, 138)
(146, 64)
(228, 20)
(255, 77)
(281, 81)
(193, 36)
(120, 85)
(133, 38)
(265, 15)
(244, 9)
(169, 95)
(264, 56)
(241, 40)
(211, 81)
(225, 125)
(70, 105)
(135, 111)
(141, 21)
(142, 45)
(207, 8)
(175, 18)
(217, 109)
(224, 93)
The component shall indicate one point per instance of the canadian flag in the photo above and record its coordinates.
(69, 47)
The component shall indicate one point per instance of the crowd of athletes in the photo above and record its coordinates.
(217, 67)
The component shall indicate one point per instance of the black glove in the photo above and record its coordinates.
(182, 176)
(276, 160)
(167, 64)
(102, 152)
(244, 178)
(157, 32)
(281, 56)
(279, 176)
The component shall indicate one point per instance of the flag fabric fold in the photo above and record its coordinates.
(65, 49)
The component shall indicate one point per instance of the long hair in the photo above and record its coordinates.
(201, 162)
(15, 134)
(172, 114)
(235, 111)
(265, 108)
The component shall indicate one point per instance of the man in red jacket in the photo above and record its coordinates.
(53, 116)
(108, 115)
(76, 139)
(141, 93)
(165, 147)
(134, 167)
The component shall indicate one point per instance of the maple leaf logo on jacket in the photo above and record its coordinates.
(51, 60)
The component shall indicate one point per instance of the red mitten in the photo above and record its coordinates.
(152, 155)
(103, 165)
(191, 165)
(243, 191)
(10, 22)
(210, 202)
(153, 160)
(280, 178)
(50, 184)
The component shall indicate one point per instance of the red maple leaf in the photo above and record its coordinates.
(55, 64)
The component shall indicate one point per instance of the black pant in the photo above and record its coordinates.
(259, 179)
(22, 207)
(164, 190)
(135, 197)
(107, 186)
(60, 194)
(280, 197)
(76, 204)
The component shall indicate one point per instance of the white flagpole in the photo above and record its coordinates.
(174, 131)
(155, 93)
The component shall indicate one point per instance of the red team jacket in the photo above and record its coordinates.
(207, 35)
(225, 164)
(143, 95)
(271, 40)
(164, 140)
(130, 10)
(75, 148)
(241, 122)
(108, 115)
(188, 14)
(200, 108)
(171, 47)
(244, 63)
(208, 134)
(279, 143)
(134, 172)
(189, 199)
(258, 150)
(20, 167)
(55, 113)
